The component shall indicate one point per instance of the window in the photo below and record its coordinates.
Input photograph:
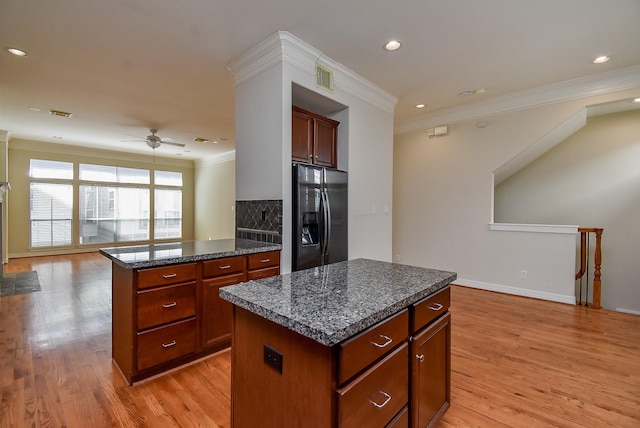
(113, 174)
(113, 214)
(114, 204)
(168, 213)
(51, 203)
(50, 169)
(167, 178)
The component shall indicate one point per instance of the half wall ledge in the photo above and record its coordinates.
(535, 228)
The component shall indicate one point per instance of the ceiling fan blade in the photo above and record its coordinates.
(172, 143)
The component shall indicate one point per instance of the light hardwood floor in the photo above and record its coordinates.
(516, 362)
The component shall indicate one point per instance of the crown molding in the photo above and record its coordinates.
(90, 152)
(215, 159)
(599, 84)
(284, 47)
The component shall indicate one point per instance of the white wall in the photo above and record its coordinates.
(443, 196)
(591, 179)
(263, 139)
(215, 189)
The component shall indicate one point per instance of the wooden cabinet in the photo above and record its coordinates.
(167, 316)
(394, 374)
(263, 265)
(374, 398)
(217, 313)
(430, 359)
(430, 381)
(314, 138)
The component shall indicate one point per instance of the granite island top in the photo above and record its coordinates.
(332, 303)
(152, 255)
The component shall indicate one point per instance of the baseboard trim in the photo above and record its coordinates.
(628, 311)
(542, 295)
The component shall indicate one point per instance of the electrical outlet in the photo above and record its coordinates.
(523, 274)
(397, 257)
(273, 358)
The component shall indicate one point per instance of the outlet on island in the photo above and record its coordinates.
(273, 358)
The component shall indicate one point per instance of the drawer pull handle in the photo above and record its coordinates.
(225, 267)
(171, 275)
(169, 345)
(436, 307)
(420, 357)
(384, 403)
(387, 340)
(265, 260)
(169, 305)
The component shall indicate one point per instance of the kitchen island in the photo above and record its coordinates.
(166, 308)
(351, 344)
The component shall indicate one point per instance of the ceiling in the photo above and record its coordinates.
(124, 66)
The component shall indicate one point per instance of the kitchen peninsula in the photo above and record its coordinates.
(166, 306)
(350, 344)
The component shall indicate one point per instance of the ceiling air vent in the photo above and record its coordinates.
(324, 77)
(59, 113)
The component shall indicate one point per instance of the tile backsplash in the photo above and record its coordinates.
(259, 220)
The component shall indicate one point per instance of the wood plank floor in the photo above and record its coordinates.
(516, 362)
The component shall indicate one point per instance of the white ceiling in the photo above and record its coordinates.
(123, 66)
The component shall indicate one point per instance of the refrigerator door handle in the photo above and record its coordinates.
(328, 220)
(325, 225)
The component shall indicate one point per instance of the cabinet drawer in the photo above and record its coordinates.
(164, 344)
(263, 273)
(220, 267)
(166, 275)
(264, 260)
(162, 305)
(375, 398)
(430, 308)
(360, 351)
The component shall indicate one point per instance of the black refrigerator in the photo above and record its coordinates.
(319, 216)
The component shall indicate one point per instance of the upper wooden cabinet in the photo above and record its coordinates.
(314, 138)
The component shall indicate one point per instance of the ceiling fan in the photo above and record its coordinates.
(154, 141)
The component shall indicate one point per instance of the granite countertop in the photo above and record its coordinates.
(334, 302)
(143, 256)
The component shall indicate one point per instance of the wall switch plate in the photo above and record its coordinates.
(523, 274)
(273, 358)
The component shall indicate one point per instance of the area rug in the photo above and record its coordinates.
(19, 283)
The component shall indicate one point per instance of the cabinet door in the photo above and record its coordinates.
(217, 314)
(301, 137)
(324, 149)
(431, 372)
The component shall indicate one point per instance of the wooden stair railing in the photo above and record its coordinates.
(597, 263)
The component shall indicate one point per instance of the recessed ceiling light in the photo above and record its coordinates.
(601, 59)
(421, 105)
(57, 137)
(16, 52)
(34, 109)
(392, 45)
(636, 100)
